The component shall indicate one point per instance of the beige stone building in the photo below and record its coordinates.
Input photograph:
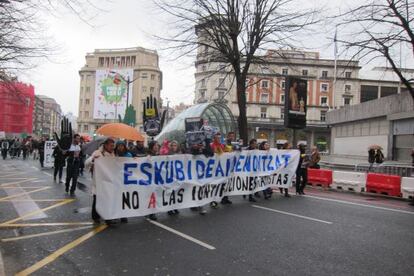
(52, 116)
(145, 77)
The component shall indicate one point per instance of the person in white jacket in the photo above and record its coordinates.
(107, 149)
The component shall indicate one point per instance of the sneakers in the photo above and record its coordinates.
(202, 211)
(170, 213)
(176, 211)
(252, 199)
(226, 200)
(152, 217)
(214, 205)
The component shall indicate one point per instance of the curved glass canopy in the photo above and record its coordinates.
(218, 115)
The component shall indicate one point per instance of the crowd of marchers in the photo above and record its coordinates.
(76, 161)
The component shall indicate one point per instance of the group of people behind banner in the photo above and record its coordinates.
(209, 147)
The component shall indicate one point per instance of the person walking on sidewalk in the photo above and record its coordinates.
(73, 163)
(106, 150)
(59, 162)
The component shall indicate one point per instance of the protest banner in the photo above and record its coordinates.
(49, 159)
(128, 187)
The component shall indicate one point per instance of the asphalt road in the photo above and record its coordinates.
(43, 231)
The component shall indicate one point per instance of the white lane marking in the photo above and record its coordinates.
(1, 265)
(185, 236)
(45, 234)
(35, 168)
(291, 214)
(24, 207)
(47, 174)
(360, 204)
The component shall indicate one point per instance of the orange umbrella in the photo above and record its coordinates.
(119, 130)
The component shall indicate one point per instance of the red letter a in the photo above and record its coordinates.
(152, 201)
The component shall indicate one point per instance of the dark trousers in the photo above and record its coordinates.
(58, 168)
(286, 190)
(301, 179)
(72, 173)
(95, 215)
(41, 157)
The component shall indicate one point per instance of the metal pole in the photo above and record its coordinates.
(128, 82)
(294, 139)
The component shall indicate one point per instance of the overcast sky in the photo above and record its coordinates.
(127, 23)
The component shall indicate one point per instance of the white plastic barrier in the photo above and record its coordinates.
(407, 187)
(352, 181)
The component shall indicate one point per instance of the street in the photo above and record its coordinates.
(45, 232)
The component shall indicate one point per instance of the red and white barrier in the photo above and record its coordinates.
(407, 187)
(351, 181)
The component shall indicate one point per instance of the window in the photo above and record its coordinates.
(87, 77)
(107, 61)
(144, 89)
(282, 113)
(324, 87)
(152, 89)
(88, 89)
(221, 67)
(86, 101)
(247, 83)
(80, 102)
(81, 90)
(221, 94)
(324, 101)
(85, 128)
(203, 83)
(152, 77)
(81, 77)
(369, 93)
(144, 75)
(203, 68)
(122, 61)
(347, 88)
(205, 49)
(101, 61)
(323, 115)
(348, 75)
(133, 58)
(388, 91)
(263, 112)
(282, 98)
(347, 101)
(86, 114)
(128, 60)
(283, 85)
(264, 97)
(202, 93)
(324, 74)
(285, 71)
(304, 72)
(265, 84)
(112, 60)
(221, 83)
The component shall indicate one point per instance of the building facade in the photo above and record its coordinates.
(265, 91)
(38, 116)
(387, 122)
(52, 116)
(16, 108)
(103, 79)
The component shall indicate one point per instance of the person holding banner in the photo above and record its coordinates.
(107, 150)
(218, 148)
(266, 147)
(286, 190)
(121, 149)
(302, 171)
(252, 146)
(73, 163)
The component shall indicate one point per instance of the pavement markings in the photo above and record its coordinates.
(35, 168)
(24, 207)
(20, 187)
(17, 182)
(44, 224)
(47, 174)
(12, 173)
(291, 214)
(24, 193)
(61, 251)
(35, 200)
(44, 234)
(66, 201)
(2, 265)
(185, 236)
(360, 204)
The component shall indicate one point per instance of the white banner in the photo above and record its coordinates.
(49, 159)
(111, 93)
(128, 187)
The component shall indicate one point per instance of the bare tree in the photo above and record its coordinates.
(22, 35)
(235, 32)
(382, 29)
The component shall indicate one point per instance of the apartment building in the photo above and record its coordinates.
(52, 116)
(112, 77)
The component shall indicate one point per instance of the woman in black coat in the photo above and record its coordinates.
(59, 162)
